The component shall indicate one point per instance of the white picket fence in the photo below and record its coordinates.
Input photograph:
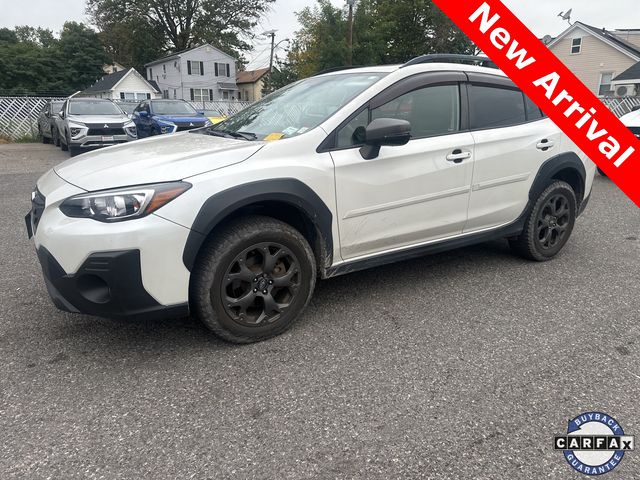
(19, 115)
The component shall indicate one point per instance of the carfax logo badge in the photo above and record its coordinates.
(594, 444)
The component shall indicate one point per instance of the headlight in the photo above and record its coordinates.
(131, 130)
(123, 203)
(167, 127)
(76, 129)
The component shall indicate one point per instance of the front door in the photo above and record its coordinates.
(411, 194)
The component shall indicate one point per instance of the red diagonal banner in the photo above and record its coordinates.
(553, 87)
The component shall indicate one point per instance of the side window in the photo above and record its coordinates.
(533, 111)
(495, 107)
(431, 111)
(353, 133)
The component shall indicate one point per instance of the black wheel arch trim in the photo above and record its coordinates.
(551, 168)
(286, 190)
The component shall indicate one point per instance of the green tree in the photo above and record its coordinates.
(181, 24)
(82, 54)
(34, 61)
(384, 32)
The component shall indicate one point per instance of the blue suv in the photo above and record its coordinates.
(157, 117)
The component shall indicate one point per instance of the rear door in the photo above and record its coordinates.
(512, 139)
(410, 194)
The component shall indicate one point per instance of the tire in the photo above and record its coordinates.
(64, 146)
(45, 139)
(549, 224)
(261, 243)
(73, 151)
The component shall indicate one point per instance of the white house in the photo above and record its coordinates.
(597, 55)
(122, 85)
(199, 74)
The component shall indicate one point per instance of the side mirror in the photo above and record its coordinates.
(61, 113)
(47, 114)
(143, 114)
(385, 131)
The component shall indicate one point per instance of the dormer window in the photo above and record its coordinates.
(576, 46)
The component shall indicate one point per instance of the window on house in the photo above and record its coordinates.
(225, 95)
(164, 69)
(175, 94)
(195, 68)
(576, 46)
(165, 94)
(150, 74)
(606, 89)
(222, 69)
(200, 95)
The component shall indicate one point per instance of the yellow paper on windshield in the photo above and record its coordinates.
(272, 137)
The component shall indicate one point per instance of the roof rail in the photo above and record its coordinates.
(337, 69)
(452, 58)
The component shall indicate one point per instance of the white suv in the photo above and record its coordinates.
(333, 174)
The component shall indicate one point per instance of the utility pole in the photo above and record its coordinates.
(272, 34)
(351, 3)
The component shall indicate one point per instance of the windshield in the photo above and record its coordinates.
(128, 107)
(89, 107)
(298, 108)
(173, 108)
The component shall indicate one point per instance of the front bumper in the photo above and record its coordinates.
(113, 270)
(107, 284)
(97, 141)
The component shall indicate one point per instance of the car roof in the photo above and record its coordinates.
(418, 68)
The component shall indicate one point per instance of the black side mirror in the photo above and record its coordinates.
(385, 131)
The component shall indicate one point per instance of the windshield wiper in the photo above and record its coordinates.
(227, 134)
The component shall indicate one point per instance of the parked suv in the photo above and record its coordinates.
(157, 117)
(333, 174)
(90, 123)
(47, 120)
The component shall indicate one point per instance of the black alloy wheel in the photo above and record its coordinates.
(553, 222)
(252, 279)
(261, 284)
(549, 224)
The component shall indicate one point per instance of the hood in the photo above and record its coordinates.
(199, 119)
(158, 159)
(99, 119)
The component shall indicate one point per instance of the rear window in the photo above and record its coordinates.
(494, 107)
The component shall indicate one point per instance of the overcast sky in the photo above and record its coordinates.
(540, 16)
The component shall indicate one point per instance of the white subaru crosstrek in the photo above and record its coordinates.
(333, 174)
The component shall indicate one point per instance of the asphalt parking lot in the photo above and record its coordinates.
(462, 365)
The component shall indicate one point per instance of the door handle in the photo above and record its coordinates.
(545, 145)
(458, 156)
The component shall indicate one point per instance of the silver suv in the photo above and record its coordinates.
(89, 123)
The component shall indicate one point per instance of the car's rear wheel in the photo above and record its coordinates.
(44, 138)
(253, 279)
(549, 225)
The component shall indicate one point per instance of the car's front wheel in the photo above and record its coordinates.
(549, 225)
(64, 146)
(253, 279)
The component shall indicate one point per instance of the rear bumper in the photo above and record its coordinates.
(107, 284)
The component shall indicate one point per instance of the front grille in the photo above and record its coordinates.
(106, 132)
(37, 207)
(635, 131)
